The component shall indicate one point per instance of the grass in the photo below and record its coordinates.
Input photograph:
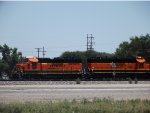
(84, 106)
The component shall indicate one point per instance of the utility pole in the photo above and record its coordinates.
(90, 42)
(38, 50)
(43, 52)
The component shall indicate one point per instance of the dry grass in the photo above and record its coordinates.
(84, 106)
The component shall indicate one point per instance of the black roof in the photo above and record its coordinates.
(110, 60)
(59, 60)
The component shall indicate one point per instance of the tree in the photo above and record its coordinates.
(138, 46)
(123, 50)
(3, 67)
(10, 57)
(85, 54)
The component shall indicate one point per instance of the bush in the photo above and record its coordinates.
(136, 81)
(78, 81)
(130, 80)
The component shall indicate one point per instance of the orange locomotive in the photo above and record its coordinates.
(110, 68)
(68, 68)
(49, 68)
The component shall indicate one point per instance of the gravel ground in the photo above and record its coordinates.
(66, 82)
(32, 93)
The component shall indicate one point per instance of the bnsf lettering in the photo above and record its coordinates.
(56, 65)
(120, 64)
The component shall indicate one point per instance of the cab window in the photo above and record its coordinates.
(141, 65)
(34, 65)
(28, 66)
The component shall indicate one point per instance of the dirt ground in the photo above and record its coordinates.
(66, 82)
(31, 93)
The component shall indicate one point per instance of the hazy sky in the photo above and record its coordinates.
(63, 26)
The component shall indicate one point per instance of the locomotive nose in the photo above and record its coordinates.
(18, 68)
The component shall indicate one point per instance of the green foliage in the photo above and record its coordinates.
(138, 46)
(130, 80)
(84, 101)
(78, 81)
(3, 66)
(83, 106)
(85, 54)
(10, 58)
(123, 50)
(136, 81)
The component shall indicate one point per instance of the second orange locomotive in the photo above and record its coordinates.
(114, 67)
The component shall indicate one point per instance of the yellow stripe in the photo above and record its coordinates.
(61, 63)
(120, 72)
(53, 73)
(122, 69)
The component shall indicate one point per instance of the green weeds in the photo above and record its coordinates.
(130, 80)
(84, 106)
(78, 81)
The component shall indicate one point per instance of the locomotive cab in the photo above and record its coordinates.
(27, 65)
(33, 62)
(140, 62)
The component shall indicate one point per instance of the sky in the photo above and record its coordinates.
(63, 25)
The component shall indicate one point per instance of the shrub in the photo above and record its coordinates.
(78, 81)
(135, 80)
(130, 80)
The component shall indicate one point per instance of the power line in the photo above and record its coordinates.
(43, 52)
(38, 51)
(90, 42)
